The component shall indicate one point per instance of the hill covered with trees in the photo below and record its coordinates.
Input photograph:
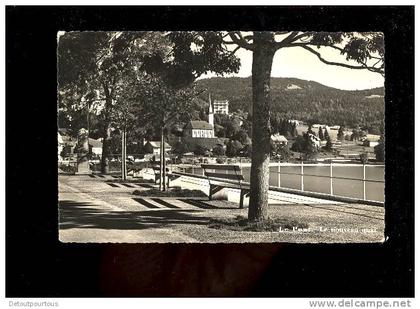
(309, 101)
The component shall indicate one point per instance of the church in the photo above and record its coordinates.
(199, 129)
(199, 132)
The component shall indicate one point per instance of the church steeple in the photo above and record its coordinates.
(211, 113)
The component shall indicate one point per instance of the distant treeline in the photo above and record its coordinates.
(305, 100)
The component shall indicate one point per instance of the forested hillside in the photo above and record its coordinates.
(305, 100)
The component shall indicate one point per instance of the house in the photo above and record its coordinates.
(154, 148)
(199, 134)
(322, 126)
(277, 138)
(67, 143)
(95, 146)
(60, 145)
(368, 143)
(292, 87)
(371, 140)
(373, 137)
(221, 107)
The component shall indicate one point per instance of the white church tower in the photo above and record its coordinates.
(211, 112)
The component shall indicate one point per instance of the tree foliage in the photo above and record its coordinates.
(299, 144)
(340, 134)
(304, 145)
(233, 148)
(112, 68)
(180, 148)
(201, 150)
(321, 133)
(191, 54)
(364, 157)
(328, 145)
(219, 150)
(380, 150)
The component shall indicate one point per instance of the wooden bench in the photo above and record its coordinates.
(222, 176)
(156, 170)
(133, 169)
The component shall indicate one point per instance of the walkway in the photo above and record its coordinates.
(101, 209)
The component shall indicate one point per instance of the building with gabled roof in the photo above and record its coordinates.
(278, 138)
(154, 147)
(199, 129)
(371, 140)
(95, 146)
(199, 133)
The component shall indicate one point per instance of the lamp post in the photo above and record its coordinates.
(87, 122)
(124, 153)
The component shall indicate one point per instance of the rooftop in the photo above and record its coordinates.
(96, 143)
(220, 102)
(157, 144)
(199, 124)
(278, 138)
(373, 137)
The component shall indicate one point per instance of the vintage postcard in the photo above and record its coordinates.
(221, 137)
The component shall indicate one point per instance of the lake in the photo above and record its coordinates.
(316, 178)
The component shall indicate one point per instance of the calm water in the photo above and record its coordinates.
(314, 183)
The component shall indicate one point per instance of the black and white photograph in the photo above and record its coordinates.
(221, 136)
(214, 151)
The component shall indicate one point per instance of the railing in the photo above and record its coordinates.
(338, 185)
(68, 165)
(325, 181)
(302, 175)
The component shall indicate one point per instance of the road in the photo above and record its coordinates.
(100, 209)
(92, 211)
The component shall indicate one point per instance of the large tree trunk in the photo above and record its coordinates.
(263, 54)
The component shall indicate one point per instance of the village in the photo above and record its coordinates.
(197, 143)
(315, 164)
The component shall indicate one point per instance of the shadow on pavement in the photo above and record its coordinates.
(87, 215)
(345, 211)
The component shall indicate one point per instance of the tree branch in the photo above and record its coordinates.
(303, 35)
(229, 42)
(349, 66)
(286, 41)
(235, 50)
(301, 44)
(238, 39)
(281, 32)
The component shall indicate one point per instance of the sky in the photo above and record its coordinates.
(299, 63)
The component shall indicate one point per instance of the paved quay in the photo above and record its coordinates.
(86, 218)
(101, 209)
